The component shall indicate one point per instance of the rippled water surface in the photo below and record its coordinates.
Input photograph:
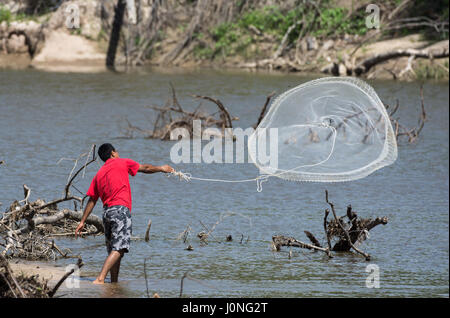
(48, 116)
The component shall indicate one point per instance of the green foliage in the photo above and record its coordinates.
(268, 19)
(203, 53)
(271, 19)
(232, 38)
(334, 20)
(225, 36)
(5, 15)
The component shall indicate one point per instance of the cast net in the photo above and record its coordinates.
(329, 130)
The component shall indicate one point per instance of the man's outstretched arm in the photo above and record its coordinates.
(146, 168)
(87, 211)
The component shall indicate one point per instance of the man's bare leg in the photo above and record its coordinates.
(112, 258)
(114, 272)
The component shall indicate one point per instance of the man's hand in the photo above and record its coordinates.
(79, 229)
(167, 169)
(87, 210)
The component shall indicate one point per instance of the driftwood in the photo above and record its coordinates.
(278, 63)
(410, 133)
(173, 115)
(365, 65)
(27, 286)
(400, 130)
(185, 234)
(9, 280)
(349, 234)
(147, 231)
(264, 109)
(280, 240)
(26, 227)
(203, 236)
(346, 237)
(186, 275)
(54, 218)
(389, 23)
(59, 283)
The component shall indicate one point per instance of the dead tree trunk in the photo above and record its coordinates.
(358, 231)
(350, 234)
(115, 34)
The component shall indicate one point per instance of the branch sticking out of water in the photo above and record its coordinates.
(349, 234)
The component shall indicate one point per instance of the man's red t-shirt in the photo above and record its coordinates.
(111, 183)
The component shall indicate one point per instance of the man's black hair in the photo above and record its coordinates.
(104, 152)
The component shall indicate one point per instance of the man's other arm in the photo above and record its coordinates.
(87, 211)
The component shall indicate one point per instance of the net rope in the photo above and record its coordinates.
(186, 176)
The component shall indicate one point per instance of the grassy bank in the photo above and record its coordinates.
(289, 35)
(234, 38)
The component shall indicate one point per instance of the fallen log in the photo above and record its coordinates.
(365, 65)
(66, 213)
(26, 226)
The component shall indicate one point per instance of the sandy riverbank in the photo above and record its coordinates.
(45, 270)
(73, 286)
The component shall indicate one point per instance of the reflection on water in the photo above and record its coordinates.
(121, 289)
(47, 116)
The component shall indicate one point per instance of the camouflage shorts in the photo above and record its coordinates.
(117, 223)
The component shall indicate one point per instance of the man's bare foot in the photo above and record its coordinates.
(98, 282)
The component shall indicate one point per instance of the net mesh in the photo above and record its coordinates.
(331, 129)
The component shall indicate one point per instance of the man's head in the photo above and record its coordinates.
(107, 151)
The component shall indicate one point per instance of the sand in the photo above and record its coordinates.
(46, 271)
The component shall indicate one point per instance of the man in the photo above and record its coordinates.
(111, 184)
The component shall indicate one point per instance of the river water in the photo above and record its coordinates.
(47, 116)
